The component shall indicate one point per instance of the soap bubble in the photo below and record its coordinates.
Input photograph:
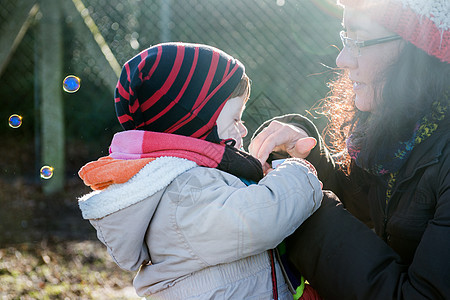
(15, 121)
(46, 172)
(71, 84)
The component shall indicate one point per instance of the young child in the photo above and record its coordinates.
(170, 199)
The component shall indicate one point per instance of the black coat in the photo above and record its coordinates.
(408, 257)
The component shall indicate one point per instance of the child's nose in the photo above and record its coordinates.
(243, 130)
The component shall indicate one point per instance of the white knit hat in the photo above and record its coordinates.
(424, 23)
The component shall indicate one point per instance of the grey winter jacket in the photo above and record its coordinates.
(200, 233)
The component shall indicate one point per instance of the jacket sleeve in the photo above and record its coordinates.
(226, 220)
(350, 190)
(343, 259)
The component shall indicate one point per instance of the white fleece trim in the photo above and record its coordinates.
(152, 178)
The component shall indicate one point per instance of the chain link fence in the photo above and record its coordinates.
(286, 46)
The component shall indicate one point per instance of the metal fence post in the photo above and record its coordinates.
(165, 20)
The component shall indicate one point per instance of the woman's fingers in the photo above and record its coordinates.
(281, 137)
(303, 147)
(266, 141)
(256, 143)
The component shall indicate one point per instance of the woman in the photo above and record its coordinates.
(389, 131)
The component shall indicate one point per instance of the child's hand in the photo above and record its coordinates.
(268, 170)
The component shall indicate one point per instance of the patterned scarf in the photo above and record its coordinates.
(388, 163)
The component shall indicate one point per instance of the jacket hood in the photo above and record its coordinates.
(154, 176)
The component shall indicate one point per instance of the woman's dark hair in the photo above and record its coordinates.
(412, 83)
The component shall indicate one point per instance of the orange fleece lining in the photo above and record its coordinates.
(106, 171)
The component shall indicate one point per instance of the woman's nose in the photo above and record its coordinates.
(346, 60)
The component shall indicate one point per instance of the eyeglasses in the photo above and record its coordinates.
(355, 46)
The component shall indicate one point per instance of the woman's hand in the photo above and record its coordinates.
(281, 137)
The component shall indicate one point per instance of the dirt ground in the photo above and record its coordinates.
(47, 251)
(61, 270)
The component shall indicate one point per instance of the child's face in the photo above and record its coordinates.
(229, 123)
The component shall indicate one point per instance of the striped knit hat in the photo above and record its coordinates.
(176, 88)
(424, 23)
